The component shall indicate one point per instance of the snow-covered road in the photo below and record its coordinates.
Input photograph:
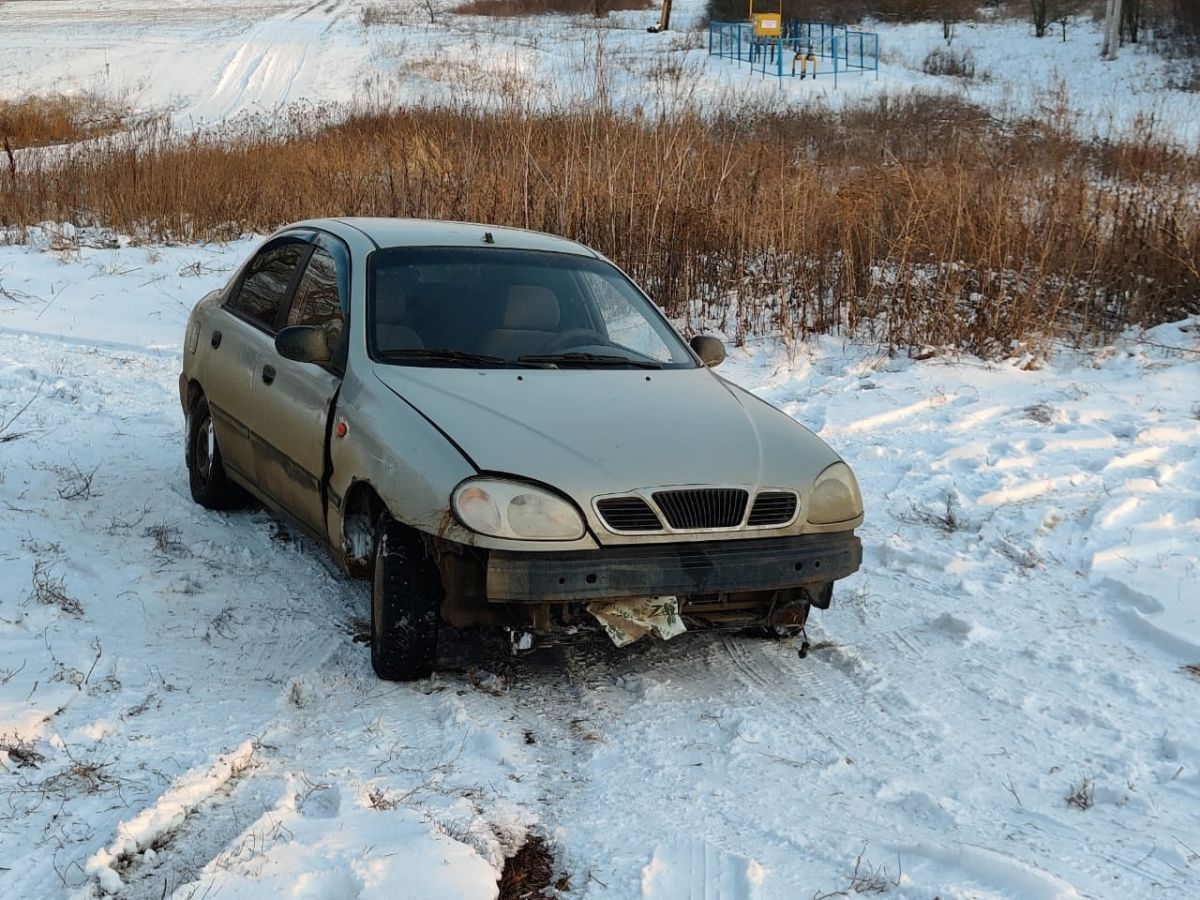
(185, 706)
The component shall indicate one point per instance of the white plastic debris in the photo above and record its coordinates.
(626, 621)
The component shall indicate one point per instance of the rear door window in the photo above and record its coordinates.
(264, 288)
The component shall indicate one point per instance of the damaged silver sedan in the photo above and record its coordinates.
(498, 427)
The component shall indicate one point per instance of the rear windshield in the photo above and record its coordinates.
(494, 307)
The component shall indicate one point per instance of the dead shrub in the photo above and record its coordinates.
(166, 539)
(76, 483)
(867, 878)
(51, 590)
(20, 751)
(949, 521)
(506, 8)
(916, 222)
(946, 61)
(88, 776)
(382, 14)
(1082, 795)
(36, 121)
(7, 432)
(380, 800)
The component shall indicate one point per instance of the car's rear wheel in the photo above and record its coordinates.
(211, 487)
(406, 596)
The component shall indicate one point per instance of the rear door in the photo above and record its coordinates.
(296, 402)
(237, 342)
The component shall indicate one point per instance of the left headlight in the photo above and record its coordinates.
(835, 496)
(513, 509)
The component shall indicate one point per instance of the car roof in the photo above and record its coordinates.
(437, 233)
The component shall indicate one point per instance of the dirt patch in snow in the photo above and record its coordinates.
(530, 872)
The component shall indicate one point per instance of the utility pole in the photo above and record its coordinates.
(1112, 29)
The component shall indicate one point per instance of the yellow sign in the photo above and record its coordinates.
(768, 25)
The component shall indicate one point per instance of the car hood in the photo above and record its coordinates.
(589, 432)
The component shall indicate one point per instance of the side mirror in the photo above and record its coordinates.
(303, 343)
(710, 350)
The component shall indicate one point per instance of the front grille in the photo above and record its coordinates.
(703, 507)
(773, 508)
(628, 514)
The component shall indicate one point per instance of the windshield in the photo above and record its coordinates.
(490, 307)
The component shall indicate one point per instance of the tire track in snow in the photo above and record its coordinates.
(194, 831)
(575, 710)
(267, 64)
(603, 719)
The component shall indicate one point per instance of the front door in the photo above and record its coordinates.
(295, 402)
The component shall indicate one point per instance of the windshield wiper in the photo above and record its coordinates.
(448, 355)
(586, 359)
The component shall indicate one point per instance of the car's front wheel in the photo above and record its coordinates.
(406, 596)
(211, 487)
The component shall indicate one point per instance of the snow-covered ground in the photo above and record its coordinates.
(207, 61)
(186, 707)
(186, 704)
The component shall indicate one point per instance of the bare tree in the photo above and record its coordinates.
(1041, 16)
(1112, 29)
(1131, 19)
(951, 12)
(1063, 12)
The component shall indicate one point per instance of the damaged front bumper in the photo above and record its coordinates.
(688, 570)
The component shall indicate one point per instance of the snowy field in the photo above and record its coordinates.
(206, 61)
(194, 710)
(1002, 703)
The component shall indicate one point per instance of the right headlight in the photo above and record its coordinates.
(835, 496)
(514, 509)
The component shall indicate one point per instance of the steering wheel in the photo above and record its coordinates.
(576, 337)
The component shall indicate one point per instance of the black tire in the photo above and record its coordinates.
(210, 485)
(406, 597)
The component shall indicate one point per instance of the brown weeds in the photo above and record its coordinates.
(55, 119)
(597, 8)
(529, 873)
(22, 753)
(917, 222)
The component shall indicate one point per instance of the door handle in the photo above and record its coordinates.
(268, 374)
(216, 339)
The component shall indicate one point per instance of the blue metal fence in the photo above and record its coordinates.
(802, 49)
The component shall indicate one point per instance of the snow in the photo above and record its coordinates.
(206, 62)
(207, 721)
(186, 704)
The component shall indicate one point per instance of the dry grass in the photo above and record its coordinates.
(56, 119)
(597, 8)
(866, 878)
(915, 222)
(529, 873)
(22, 753)
(383, 14)
(948, 61)
(51, 590)
(1082, 795)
